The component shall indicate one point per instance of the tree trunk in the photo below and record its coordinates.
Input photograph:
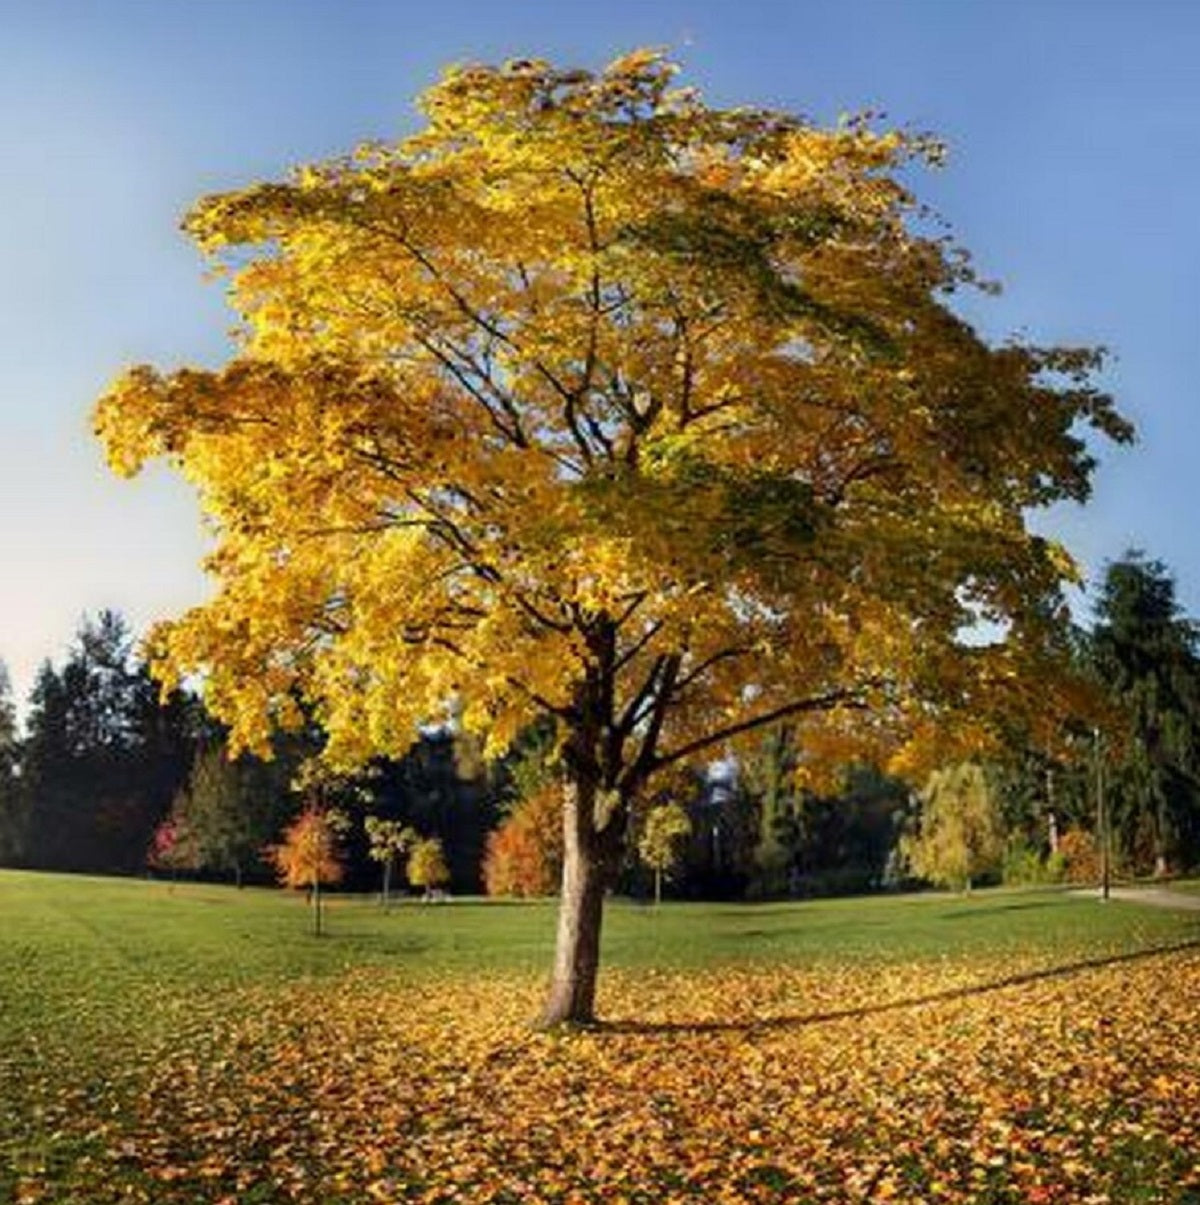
(657, 886)
(572, 995)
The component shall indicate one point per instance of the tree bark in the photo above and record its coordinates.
(572, 997)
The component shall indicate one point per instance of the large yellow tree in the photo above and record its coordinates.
(594, 402)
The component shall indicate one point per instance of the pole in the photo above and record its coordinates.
(1102, 823)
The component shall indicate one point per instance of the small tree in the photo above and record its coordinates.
(389, 839)
(959, 833)
(308, 855)
(427, 866)
(665, 828)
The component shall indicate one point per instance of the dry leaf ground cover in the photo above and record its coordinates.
(196, 1045)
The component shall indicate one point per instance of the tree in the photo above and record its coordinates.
(664, 827)
(427, 866)
(388, 840)
(12, 810)
(103, 756)
(437, 788)
(592, 402)
(768, 774)
(524, 855)
(959, 833)
(308, 854)
(1145, 652)
(212, 813)
(228, 809)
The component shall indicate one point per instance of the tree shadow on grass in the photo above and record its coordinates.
(801, 1020)
(978, 910)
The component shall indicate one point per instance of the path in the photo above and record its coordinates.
(1160, 897)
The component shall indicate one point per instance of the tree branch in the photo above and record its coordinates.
(837, 698)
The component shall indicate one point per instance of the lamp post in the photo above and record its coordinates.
(1102, 825)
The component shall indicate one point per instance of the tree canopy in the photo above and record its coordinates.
(591, 401)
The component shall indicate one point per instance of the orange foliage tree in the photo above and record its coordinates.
(524, 855)
(591, 401)
(308, 855)
(1077, 850)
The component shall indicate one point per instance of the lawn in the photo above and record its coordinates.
(187, 1043)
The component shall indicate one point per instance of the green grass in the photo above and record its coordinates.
(91, 955)
(61, 930)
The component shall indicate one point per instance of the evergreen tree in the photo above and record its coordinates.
(103, 758)
(12, 812)
(230, 810)
(1145, 652)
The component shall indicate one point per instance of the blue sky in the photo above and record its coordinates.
(1074, 178)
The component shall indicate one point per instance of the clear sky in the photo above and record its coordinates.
(1074, 178)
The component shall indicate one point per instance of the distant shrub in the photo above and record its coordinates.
(1080, 861)
(1025, 866)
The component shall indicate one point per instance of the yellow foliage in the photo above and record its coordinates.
(959, 833)
(427, 864)
(664, 827)
(592, 400)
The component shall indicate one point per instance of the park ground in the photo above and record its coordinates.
(184, 1043)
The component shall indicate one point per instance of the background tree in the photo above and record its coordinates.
(440, 786)
(308, 855)
(846, 840)
(959, 834)
(103, 756)
(769, 775)
(214, 813)
(592, 402)
(663, 830)
(12, 809)
(427, 867)
(524, 854)
(1145, 652)
(388, 840)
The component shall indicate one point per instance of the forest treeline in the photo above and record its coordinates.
(107, 776)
